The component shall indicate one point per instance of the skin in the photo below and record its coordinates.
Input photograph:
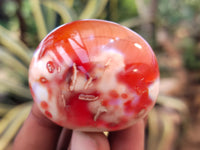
(40, 133)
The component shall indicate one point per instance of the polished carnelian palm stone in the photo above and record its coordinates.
(94, 75)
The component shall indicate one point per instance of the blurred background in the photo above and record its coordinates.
(172, 28)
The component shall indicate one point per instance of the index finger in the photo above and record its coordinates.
(37, 133)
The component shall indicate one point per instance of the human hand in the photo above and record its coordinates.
(39, 133)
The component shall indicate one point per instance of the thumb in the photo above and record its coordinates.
(89, 141)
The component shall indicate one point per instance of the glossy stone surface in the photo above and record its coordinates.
(94, 75)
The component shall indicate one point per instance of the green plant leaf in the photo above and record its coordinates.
(15, 46)
(18, 90)
(50, 17)
(11, 62)
(93, 9)
(132, 22)
(173, 103)
(154, 132)
(39, 18)
(4, 108)
(69, 3)
(63, 10)
(168, 134)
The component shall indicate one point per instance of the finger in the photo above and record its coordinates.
(37, 133)
(89, 141)
(64, 139)
(131, 138)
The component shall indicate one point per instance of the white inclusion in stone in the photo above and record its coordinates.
(111, 40)
(135, 70)
(64, 55)
(82, 54)
(154, 89)
(117, 38)
(91, 37)
(138, 45)
(78, 39)
(40, 92)
(53, 56)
